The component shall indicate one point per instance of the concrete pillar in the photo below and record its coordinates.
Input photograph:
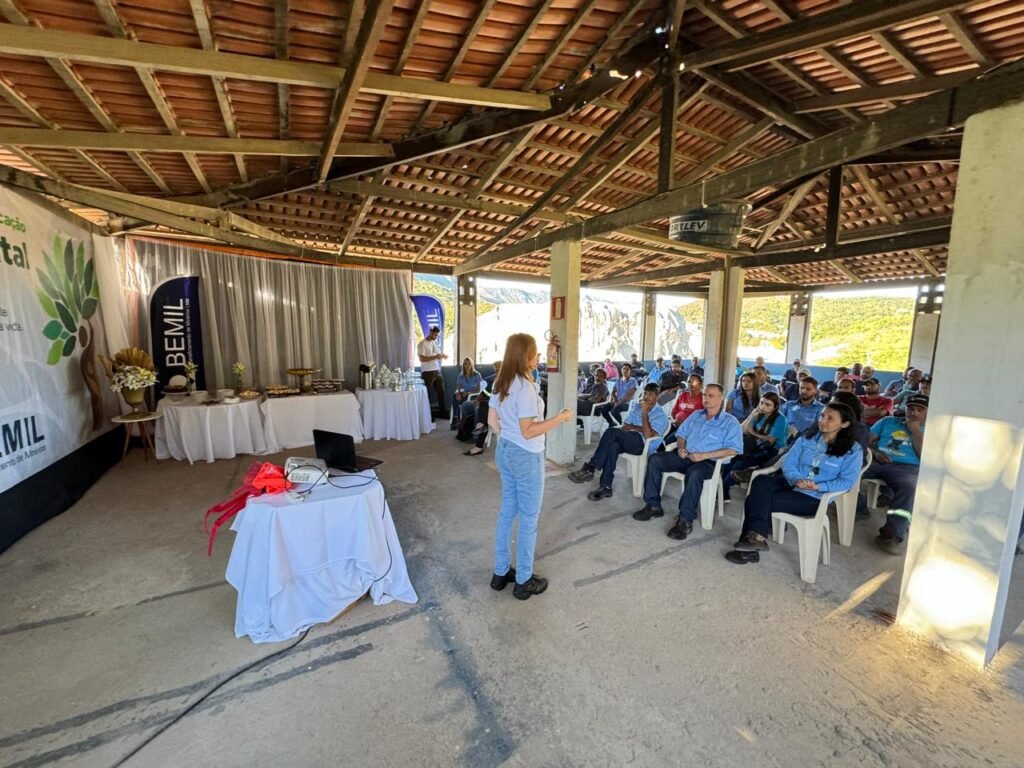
(565, 324)
(722, 326)
(649, 320)
(971, 490)
(799, 327)
(466, 293)
(925, 335)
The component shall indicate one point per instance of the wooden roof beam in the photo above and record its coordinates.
(843, 23)
(929, 116)
(355, 60)
(147, 142)
(857, 97)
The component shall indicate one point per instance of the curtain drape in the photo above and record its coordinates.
(273, 315)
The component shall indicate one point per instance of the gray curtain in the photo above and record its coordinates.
(273, 315)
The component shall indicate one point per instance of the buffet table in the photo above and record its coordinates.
(299, 564)
(207, 432)
(389, 415)
(288, 422)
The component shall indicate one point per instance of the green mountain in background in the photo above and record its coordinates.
(844, 331)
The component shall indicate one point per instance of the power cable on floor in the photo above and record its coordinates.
(207, 695)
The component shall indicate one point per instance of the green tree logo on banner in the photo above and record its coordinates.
(69, 295)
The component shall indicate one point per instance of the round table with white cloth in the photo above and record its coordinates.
(288, 422)
(206, 432)
(390, 415)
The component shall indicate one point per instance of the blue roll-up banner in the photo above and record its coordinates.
(430, 311)
(177, 329)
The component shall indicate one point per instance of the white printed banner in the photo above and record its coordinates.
(55, 395)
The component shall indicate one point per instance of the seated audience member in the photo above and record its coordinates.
(846, 384)
(610, 370)
(759, 361)
(827, 388)
(910, 388)
(895, 386)
(689, 401)
(696, 368)
(867, 372)
(468, 384)
(644, 420)
(582, 381)
(925, 387)
(593, 395)
(764, 384)
(739, 372)
(876, 405)
(654, 375)
(489, 381)
(710, 434)
(897, 445)
(792, 374)
(826, 463)
(742, 401)
(622, 393)
(861, 432)
(764, 432)
(856, 372)
(479, 434)
(670, 382)
(803, 412)
(637, 367)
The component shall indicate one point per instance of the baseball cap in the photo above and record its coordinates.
(872, 380)
(921, 400)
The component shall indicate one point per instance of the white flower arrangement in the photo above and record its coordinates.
(238, 368)
(190, 370)
(132, 377)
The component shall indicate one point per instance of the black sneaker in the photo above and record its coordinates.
(498, 582)
(888, 544)
(751, 542)
(680, 530)
(599, 493)
(742, 476)
(648, 512)
(534, 586)
(582, 475)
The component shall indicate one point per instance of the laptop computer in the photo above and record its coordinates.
(338, 451)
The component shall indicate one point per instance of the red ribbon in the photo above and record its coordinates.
(260, 479)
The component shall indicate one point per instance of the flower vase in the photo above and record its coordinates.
(239, 385)
(135, 398)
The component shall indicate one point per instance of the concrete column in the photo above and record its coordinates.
(565, 304)
(925, 335)
(971, 490)
(648, 322)
(722, 325)
(466, 294)
(799, 327)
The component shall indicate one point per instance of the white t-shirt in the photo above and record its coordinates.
(522, 402)
(428, 348)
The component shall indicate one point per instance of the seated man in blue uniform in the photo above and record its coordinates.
(706, 436)
(897, 442)
(645, 419)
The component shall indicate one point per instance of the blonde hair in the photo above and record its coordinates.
(520, 349)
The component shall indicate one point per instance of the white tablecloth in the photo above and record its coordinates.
(289, 422)
(299, 564)
(389, 415)
(208, 432)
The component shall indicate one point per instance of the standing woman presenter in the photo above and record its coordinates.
(517, 414)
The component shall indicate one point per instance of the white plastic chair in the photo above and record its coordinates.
(592, 424)
(813, 533)
(711, 492)
(871, 489)
(846, 508)
(636, 466)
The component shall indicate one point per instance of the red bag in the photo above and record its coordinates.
(260, 479)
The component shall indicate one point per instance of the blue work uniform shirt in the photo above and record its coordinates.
(622, 387)
(655, 374)
(808, 460)
(656, 417)
(703, 434)
(802, 417)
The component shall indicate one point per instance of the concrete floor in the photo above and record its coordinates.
(644, 651)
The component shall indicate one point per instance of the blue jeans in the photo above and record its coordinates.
(522, 490)
(614, 442)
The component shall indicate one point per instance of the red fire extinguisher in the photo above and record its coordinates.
(554, 353)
